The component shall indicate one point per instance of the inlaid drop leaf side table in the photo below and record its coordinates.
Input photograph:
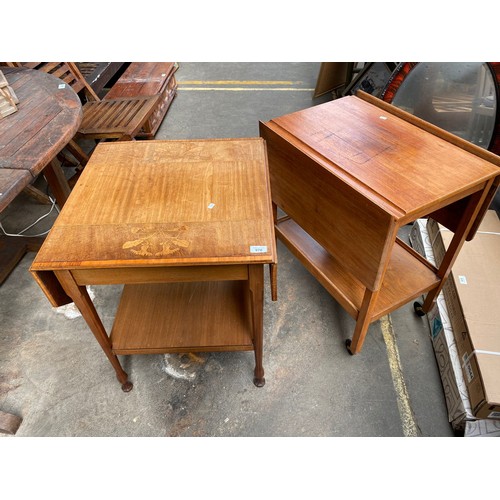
(187, 227)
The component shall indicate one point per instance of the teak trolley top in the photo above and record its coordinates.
(349, 174)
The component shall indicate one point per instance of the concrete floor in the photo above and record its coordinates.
(54, 375)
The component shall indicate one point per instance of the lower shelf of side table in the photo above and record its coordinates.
(183, 317)
(407, 277)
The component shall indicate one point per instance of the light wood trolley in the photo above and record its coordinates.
(349, 174)
(187, 227)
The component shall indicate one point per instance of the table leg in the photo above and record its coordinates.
(256, 287)
(273, 276)
(75, 149)
(57, 182)
(86, 307)
(468, 220)
(81, 156)
(362, 323)
(273, 268)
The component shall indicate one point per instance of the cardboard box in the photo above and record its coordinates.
(445, 348)
(482, 428)
(472, 295)
(443, 342)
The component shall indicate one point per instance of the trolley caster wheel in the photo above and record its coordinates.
(417, 306)
(348, 346)
(127, 386)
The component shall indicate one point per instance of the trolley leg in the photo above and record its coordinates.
(362, 323)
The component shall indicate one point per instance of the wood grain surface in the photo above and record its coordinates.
(159, 203)
(183, 317)
(385, 156)
(349, 174)
(46, 120)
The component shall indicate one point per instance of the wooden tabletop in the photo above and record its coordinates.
(394, 163)
(166, 203)
(46, 119)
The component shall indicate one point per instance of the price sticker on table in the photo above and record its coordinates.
(258, 249)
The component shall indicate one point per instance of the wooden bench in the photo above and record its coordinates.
(145, 79)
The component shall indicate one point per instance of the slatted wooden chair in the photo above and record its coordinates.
(111, 119)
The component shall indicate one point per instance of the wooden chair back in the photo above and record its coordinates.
(68, 72)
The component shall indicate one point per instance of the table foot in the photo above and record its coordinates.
(348, 346)
(418, 308)
(259, 382)
(127, 386)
